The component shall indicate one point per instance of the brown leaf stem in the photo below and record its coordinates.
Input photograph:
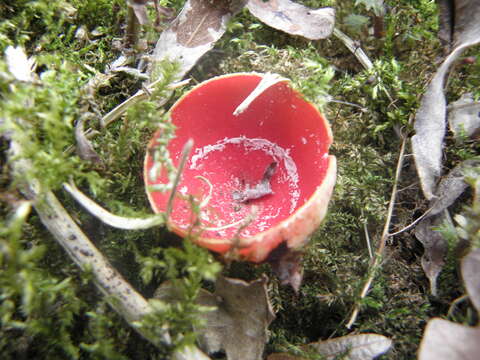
(376, 262)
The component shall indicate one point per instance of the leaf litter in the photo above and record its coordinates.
(430, 119)
(349, 347)
(464, 117)
(293, 18)
(238, 320)
(194, 32)
(430, 125)
(446, 340)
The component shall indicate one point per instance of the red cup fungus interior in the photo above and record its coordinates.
(279, 143)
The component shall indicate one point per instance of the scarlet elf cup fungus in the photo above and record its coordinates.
(259, 169)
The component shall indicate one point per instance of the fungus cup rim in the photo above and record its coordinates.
(256, 248)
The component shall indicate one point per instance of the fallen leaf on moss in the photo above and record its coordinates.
(350, 347)
(84, 147)
(446, 340)
(294, 18)
(464, 117)
(354, 347)
(448, 191)
(435, 249)
(471, 276)
(430, 119)
(239, 323)
(194, 32)
(451, 186)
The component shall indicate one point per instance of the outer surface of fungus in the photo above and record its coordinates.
(262, 177)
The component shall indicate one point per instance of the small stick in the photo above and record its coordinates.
(377, 260)
(207, 198)
(140, 95)
(367, 237)
(411, 225)
(227, 226)
(119, 222)
(363, 109)
(268, 80)
(183, 160)
(356, 50)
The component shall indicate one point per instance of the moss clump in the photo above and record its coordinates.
(50, 309)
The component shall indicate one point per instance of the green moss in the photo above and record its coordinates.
(37, 278)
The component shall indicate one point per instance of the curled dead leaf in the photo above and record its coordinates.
(194, 32)
(448, 191)
(84, 147)
(294, 18)
(430, 119)
(445, 340)
(471, 278)
(350, 347)
(451, 187)
(239, 323)
(464, 116)
(435, 246)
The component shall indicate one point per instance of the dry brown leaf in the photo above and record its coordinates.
(354, 347)
(194, 32)
(287, 265)
(448, 191)
(430, 119)
(84, 147)
(471, 277)
(294, 18)
(451, 187)
(350, 347)
(464, 116)
(140, 10)
(445, 340)
(239, 324)
(435, 246)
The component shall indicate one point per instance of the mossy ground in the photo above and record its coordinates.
(51, 310)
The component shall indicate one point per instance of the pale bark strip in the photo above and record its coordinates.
(122, 297)
(119, 222)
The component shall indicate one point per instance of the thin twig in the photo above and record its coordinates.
(411, 225)
(183, 160)
(363, 109)
(354, 48)
(140, 95)
(455, 303)
(377, 260)
(268, 80)
(227, 226)
(367, 238)
(119, 222)
(207, 198)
